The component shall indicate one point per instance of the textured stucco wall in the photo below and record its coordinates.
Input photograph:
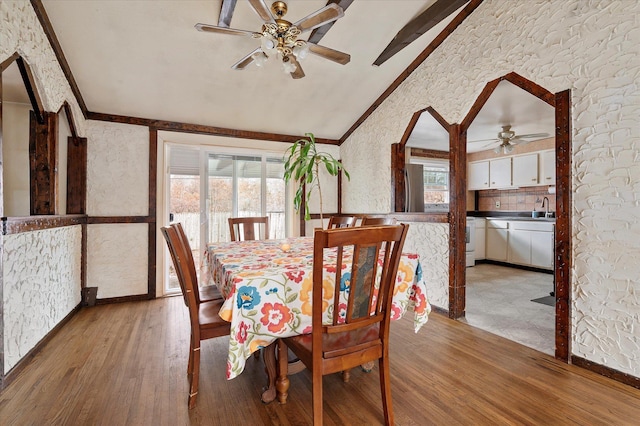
(591, 48)
(117, 169)
(431, 240)
(117, 259)
(41, 286)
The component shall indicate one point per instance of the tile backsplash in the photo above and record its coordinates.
(521, 199)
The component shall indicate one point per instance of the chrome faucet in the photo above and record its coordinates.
(545, 203)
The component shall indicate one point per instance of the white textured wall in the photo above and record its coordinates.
(41, 286)
(117, 169)
(431, 240)
(591, 48)
(117, 259)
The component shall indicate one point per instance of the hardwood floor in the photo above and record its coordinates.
(125, 364)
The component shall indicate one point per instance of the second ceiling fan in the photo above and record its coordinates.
(279, 37)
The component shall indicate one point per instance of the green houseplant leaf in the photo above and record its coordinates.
(302, 165)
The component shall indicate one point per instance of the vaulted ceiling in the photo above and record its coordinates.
(145, 59)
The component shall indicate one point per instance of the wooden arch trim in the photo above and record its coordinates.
(29, 83)
(561, 102)
(398, 157)
(517, 80)
(70, 120)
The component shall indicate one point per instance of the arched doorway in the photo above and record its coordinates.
(562, 240)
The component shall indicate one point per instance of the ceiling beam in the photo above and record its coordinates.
(175, 126)
(440, 38)
(318, 33)
(226, 13)
(418, 26)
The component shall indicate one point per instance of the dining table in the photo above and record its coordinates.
(267, 288)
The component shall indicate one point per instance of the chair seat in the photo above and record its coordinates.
(208, 315)
(210, 292)
(338, 344)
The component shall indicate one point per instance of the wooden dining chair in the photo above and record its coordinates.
(204, 293)
(341, 222)
(249, 228)
(203, 316)
(369, 221)
(359, 331)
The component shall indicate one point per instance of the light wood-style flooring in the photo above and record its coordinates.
(125, 364)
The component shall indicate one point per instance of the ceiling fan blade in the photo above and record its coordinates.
(330, 54)
(298, 73)
(532, 135)
(216, 29)
(242, 63)
(262, 10)
(327, 14)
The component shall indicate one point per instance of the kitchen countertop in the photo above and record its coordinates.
(520, 218)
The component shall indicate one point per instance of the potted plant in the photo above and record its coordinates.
(302, 163)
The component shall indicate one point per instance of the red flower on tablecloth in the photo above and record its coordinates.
(241, 335)
(295, 276)
(275, 316)
(420, 301)
(229, 369)
(412, 255)
(342, 313)
(396, 312)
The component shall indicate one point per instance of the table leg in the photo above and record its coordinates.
(269, 355)
(282, 384)
(278, 386)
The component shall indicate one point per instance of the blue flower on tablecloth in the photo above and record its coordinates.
(248, 297)
(345, 282)
(419, 273)
(272, 291)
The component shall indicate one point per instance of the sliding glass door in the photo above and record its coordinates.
(207, 187)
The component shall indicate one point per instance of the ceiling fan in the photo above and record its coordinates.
(508, 139)
(279, 37)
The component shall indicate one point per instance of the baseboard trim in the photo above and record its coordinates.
(513, 265)
(616, 375)
(122, 299)
(17, 369)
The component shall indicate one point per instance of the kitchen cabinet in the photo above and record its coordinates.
(548, 167)
(500, 173)
(478, 175)
(480, 238)
(531, 243)
(496, 240)
(542, 249)
(525, 170)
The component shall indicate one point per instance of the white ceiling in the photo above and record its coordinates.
(144, 58)
(507, 105)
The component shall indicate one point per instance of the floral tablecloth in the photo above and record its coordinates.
(268, 292)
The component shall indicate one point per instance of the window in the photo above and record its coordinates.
(436, 182)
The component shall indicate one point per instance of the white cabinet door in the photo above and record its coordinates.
(548, 167)
(525, 170)
(519, 247)
(478, 175)
(500, 173)
(496, 244)
(480, 239)
(542, 249)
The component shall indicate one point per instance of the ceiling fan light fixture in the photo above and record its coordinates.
(259, 58)
(268, 44)
(288, 66)
(301, 50)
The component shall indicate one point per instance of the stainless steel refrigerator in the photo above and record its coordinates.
(414, 188)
